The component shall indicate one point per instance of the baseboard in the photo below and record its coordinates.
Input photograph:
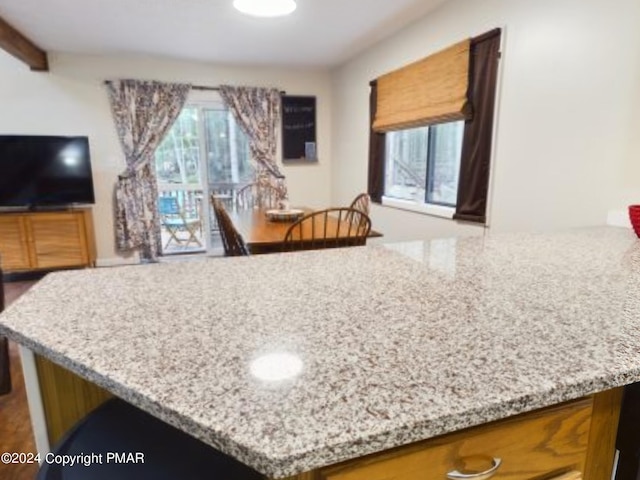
(117, 261)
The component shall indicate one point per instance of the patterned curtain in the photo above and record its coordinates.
(257, 111)
(143, 112)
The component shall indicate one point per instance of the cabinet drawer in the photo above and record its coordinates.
(544, 443)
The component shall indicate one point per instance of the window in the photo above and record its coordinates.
(423, 164)
(421, 114)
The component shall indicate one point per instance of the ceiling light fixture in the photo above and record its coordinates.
(265, 8)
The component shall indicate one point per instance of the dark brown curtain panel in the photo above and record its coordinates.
(473, 185)
(5, 375)
(375, 185)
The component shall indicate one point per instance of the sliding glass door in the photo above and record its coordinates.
(205, 153)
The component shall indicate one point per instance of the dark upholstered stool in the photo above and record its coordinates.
(628, 441)
(169, 454)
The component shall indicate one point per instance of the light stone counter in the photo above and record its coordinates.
(397, 343)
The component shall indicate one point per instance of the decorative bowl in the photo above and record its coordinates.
(634, 216)
(288, 215)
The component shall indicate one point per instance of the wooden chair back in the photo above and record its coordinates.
(226, 192)
(329, 228)
(362, 202)
(255, 195)
(232, 241)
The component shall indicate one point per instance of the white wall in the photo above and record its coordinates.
(71, 100)
(568, 138)
(567, 146)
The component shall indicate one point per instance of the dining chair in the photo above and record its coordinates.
(362, 202)
(329, 228)
(174, 220)
(232, 241)
(5, 371)
(258, 195)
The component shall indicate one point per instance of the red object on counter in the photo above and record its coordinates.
(634, 216)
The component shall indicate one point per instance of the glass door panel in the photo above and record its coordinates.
(228, 156)
(205, 153)
(180, 188)
(228, 159)
(178, 156)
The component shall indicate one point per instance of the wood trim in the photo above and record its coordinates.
(602, 435)
(569, 476)
(90, 235)
(302, 476)
(22, 48)
(66, 397)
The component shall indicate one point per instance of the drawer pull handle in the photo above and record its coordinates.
(456, 475)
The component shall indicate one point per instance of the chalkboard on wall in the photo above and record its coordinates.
(299, 129)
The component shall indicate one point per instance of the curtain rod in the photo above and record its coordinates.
(201, 87)
(217, 89)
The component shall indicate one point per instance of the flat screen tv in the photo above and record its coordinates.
(44, 171)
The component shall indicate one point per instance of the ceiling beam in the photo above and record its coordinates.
(22, 48)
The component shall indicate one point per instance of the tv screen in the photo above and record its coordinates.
(44, 171)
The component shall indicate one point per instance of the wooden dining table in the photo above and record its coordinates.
(262, 235)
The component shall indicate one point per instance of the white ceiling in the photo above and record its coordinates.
(320, 33)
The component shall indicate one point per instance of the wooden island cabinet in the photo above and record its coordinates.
(573, 440)
(46, 240)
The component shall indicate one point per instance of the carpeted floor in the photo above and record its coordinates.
(15, 424)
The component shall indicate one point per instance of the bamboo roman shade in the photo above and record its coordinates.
(431, 90)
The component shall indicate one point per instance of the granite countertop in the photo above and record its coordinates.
(381, 345)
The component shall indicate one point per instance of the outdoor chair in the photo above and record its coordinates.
(176, 223)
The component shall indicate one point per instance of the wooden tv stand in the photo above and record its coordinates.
(46, 240)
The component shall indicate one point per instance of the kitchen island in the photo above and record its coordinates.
(295, 362)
